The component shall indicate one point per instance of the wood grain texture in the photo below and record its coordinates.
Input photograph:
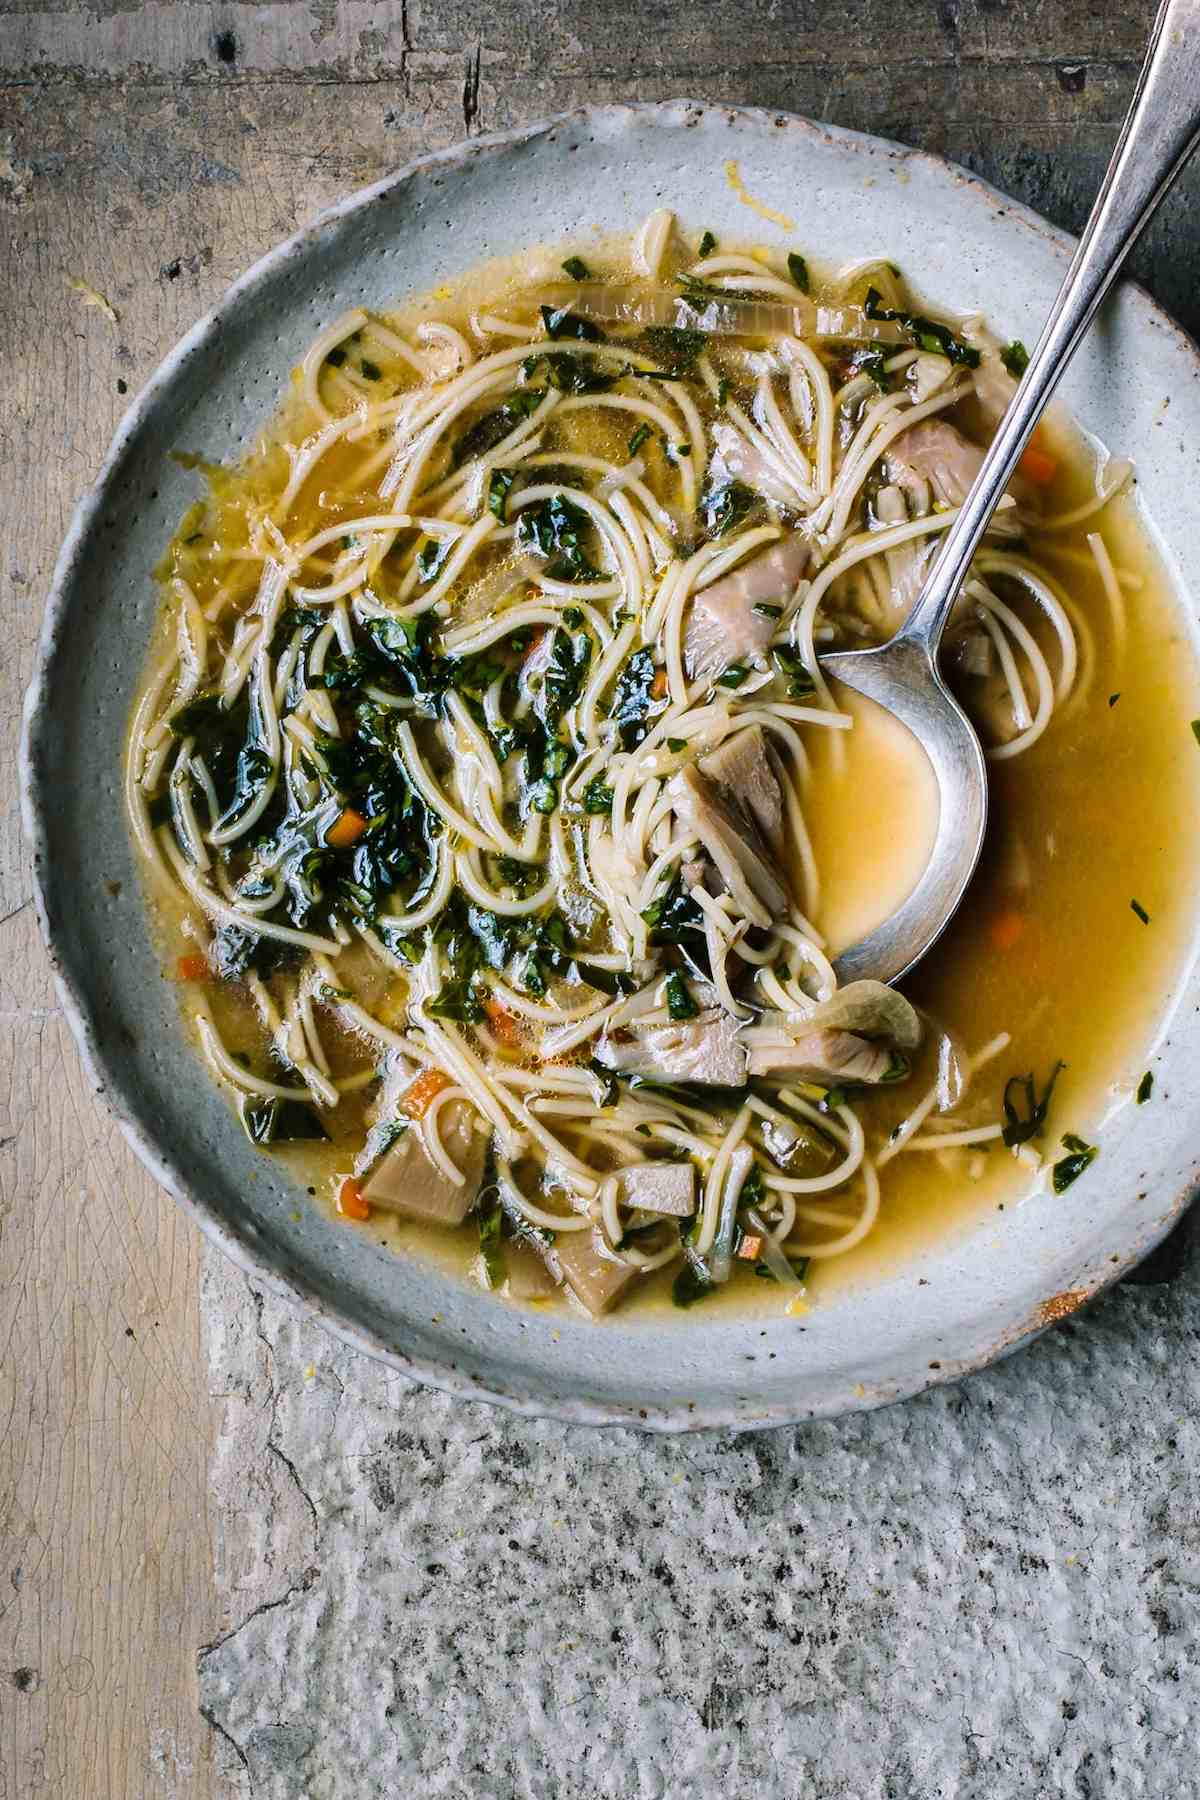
(153, 150)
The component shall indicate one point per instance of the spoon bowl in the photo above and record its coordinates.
(1159, 134)
(902, 677)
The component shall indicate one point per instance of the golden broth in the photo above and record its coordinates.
(1046, 947)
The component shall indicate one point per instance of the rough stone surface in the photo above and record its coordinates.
(991, 1593)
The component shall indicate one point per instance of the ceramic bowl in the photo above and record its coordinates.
(960, 1304)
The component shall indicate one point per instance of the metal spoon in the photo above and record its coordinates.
(1159, 134)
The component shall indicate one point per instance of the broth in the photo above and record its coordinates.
(1047, 947)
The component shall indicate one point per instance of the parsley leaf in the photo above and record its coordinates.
(561, 322)
(724, 507)
(680, 1004)
(597, 796)
(798, 270)
(499, 484)
(926, 334)
(676, 345)
(557, 529)
(1070, 1167)
(1015, 358)
(490, 1220)
(493, 427)
(1019, 1129)
(691, 1284)
(632, 699)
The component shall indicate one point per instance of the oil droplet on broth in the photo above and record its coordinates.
(872, 813)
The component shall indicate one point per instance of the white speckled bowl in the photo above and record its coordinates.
(984, 1292)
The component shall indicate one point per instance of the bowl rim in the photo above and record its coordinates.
(103, 1071)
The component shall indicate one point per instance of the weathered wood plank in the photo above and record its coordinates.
(154, 150)
(370, 40)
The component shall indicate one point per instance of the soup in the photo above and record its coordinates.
(503, 830)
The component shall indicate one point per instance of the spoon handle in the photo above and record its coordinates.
(1159, 134)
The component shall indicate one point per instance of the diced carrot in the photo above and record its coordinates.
(750, 1248)
(503, 1022)
(1037, 464)
(420, 1096)
(1006, 930)
(345, 830)
(659, 686)
(193, 967)
(352, 1202)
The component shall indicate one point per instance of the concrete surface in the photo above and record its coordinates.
(991, 1593)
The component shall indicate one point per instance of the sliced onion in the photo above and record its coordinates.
(953, 1068)
(773, 1256)
(729, 316)
(720, 1261)
(872, 1010)
(497, 586)
(612, 484)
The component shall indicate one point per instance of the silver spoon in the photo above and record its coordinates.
(1159, 134)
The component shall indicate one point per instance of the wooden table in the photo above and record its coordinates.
(151, 151)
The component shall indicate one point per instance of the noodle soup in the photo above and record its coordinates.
(503, 830)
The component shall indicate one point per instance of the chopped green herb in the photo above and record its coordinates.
(708, 244)
(597, 796)
(572, 374)
(674, 918)
(543, 797)
(873, 363)
(562, 682)
(722, 390)
(499, 485)
(1020, 1128)
(557, 529)
(1196, 730)
(1113, 698)
(926, 334)
(733, 676)
(798, 270)
(577, 269)
(336, 356)
(1070, 1167)
(490, 1219)
(522, 877)
(800, 684)
(766, 610)
(561, 322)
(1145, 1088)
(1015, 358)
(724, 507)
(676, 345)
(691, 1284)
(680, 1004)
(371, 370)
(638, 437)
(1136, 907)
(495, 426)
(675, 745)
(610, 1091)
(632, 700)
(280, 1121)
